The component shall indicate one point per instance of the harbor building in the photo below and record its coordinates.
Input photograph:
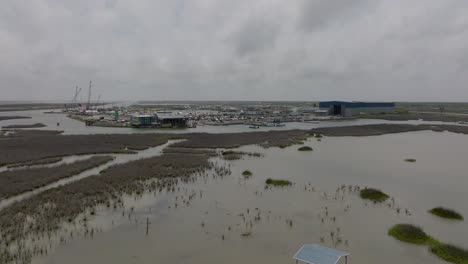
(159, 120)
(350, 109)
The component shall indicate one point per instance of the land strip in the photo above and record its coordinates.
(15, 182)
(36, 125)
(13, 117)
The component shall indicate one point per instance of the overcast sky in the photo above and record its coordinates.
(402, 50)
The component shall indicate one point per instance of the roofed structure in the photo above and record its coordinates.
(316, 254)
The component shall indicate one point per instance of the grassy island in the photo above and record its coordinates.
(446, 213)
(305, 148)
(247, 174)
(415, 235)
(274, 182)
(409, 233)
(374, 195)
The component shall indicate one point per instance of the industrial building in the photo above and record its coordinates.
(159, 120)
(172, 121)
(349, 109)
(144, 121)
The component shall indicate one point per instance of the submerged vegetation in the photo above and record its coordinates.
(236, 155)
(450, 253)
(247, 174)
(274, 182)
(410, 160)
(409, 233)
(42, 214)
(415, 235)
(305, 148)
(374, 195)
(446, 213)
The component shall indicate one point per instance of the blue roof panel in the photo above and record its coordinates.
(315, 254)
(327, 104)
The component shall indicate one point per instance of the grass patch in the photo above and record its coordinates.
(410, 160)
(247, 174)
(305, 148)
(374, 195)
(450, 253)
(409, 234)
(237, 155)
(446, 213)
(415, 235)
(274, 182)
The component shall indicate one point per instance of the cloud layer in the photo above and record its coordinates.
(235, 50)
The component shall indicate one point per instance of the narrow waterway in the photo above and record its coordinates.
(118, 159)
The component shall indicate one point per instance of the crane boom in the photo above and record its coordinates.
(89, 95)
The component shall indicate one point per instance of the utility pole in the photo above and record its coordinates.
(147, 225)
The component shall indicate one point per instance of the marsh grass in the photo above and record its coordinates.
(415, 235)
(446, 213)
(305, 148)
(409, 234)
(410, 160)
(247, 174)
(280, 183)
(374, 195)
(450, 253)
(237, 155)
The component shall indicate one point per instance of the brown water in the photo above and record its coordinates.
(193, 233)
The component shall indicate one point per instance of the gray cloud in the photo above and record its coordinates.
(235, 50)
(254, 36)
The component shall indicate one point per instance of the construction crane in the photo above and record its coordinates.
(75, 97)
(74, 100)
(89, 96)
(98, 100)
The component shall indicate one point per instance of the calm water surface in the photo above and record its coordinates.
(70, 126)
(290, 217)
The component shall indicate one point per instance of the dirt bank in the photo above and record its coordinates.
(36, 125)
(13, 117)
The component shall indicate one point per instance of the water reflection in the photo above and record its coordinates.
(314, 210)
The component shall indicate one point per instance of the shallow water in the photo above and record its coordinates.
(71, 126)
(176, 235)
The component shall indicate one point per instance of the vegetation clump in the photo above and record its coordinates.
(415, 235)
(305, 148)
(450, 253)
(410, 160)
(247, 174)
(409, 233)
(446, 213)
(236, 155)
(374, 195)
(274, 182)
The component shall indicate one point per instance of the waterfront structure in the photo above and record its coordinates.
(169, 120)
(144, 121)
(316, 254)
(349, 109)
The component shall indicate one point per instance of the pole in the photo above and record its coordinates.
(147, 225)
